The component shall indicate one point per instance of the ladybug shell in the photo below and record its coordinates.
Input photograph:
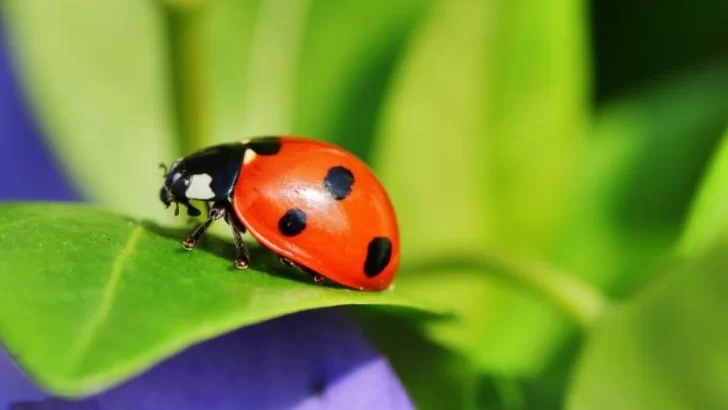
(320, 207)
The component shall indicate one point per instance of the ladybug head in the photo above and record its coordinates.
(176, 185)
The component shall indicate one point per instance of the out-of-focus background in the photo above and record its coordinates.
(574, 133)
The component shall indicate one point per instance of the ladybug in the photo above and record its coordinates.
(317, 206)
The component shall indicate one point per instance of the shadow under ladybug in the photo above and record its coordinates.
(262, 259)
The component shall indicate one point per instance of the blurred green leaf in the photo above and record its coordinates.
(100, 90)
(249, 52)
(709, 216)
(478, 144)
(315, 69)
(349, 53)
(544, 391)
(78, 281)
(435, 377)
(643, 164)
(665, 349)
(185, 4)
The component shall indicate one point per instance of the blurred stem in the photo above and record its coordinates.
(580, 301)
(185, 50)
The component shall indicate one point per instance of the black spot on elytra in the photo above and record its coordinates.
(338, 182)
(265, 145)
(379, 253)
(292, 223)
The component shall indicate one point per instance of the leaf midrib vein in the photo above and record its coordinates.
(91, 328)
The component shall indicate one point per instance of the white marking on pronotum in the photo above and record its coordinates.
(199, 187)
(249, 156)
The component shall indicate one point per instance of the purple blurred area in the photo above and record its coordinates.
(13, 384)
(27, 170)
(312, 360)
(309, 361)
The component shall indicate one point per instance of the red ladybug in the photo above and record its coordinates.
(317, 206)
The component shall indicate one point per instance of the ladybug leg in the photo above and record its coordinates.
(192, 220)
(218, 211)
(317, 279)
(242, 256)
(287, 262)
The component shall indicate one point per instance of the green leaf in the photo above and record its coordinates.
(348, 55)
(480, 138)
(666, 348)
(91, 298)
(435, 377)
(545, 391)
(708, 222)
(185, 4)
(320, 71)
(100, 92)
(249, 66)
(644, 162)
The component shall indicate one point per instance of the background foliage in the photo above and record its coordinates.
(582, 135)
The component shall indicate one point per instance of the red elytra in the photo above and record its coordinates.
(321, 207)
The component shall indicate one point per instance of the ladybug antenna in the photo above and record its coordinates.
(164, 168)
(176, 208)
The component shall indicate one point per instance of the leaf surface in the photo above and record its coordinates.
(91, 298)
